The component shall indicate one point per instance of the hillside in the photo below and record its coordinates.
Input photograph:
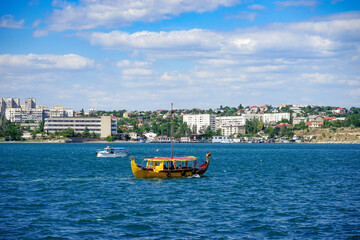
(325, 135)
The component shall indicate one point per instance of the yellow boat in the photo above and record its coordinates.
(163, 167)
(169, 167)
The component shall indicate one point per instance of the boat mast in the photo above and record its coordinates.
(171, 137)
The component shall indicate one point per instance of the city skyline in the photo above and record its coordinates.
(143, 55)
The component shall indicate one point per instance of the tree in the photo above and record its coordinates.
(109, 138)
(268, 130)
(218, 132)
(250, 127)
(86, 133)
(209, 133)
(302, 126)
(353, 120)
(41, 126)
(93, 135)
(13, 132)
(69, 133)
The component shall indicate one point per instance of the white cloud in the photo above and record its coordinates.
(137, 72)
(89, 14)
(304, 3)
(128, 63)
(188, 40)
(355, 92)
(256, 7)
(322, 38)
(7, 21)
(46, 61)
(264, 68)
(318, 78)
(40, 33)
(249, 16)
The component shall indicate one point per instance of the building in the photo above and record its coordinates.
(296, 109)
(272, 118)
(162, 139)
(298, 120)
(8, 103)
(283, 125)
(316, 118)
(150, 136)
(12, 102)
(231, 125)
(13, 114)
(30, 103)
(220, 139)
(314, 124)
(199, 122)
(338, 111)
(59, 111)
(22, 115)
(103, 126)
(133, 136)
(32, 114)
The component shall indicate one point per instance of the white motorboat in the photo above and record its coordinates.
(112, 152)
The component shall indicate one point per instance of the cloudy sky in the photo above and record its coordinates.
(145, 54)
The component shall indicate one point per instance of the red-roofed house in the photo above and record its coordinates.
(283, 125)
(254, 109)
(314, 124)
(339, 111)
(240, 111)
(329, 118)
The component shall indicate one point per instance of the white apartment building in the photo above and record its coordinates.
(22, 115)
(103, 126)
(8, 103)
(13, 114)
(29, 103)
(59, 111)
(200, 122)
(272, 118)
(233, 124)
(32, 114)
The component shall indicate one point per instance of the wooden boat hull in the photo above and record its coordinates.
(140, 172)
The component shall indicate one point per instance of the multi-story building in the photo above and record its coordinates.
(2, 106)
(13, 114)
(233, 124)
(12, 102)
(272, 118)
(30, 103)
(236, 124)
(199, 122)
(8, 103)
(103, 126)
(32, 114)
(59, 111)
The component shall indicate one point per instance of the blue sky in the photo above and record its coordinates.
(145, 54)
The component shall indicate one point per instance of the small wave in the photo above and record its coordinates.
(194, 176)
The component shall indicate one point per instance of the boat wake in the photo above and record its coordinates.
(194, 176)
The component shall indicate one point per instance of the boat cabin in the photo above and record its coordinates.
(170, 164)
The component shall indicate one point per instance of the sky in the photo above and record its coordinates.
(146, 54)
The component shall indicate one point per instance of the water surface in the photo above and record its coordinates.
(251, 191)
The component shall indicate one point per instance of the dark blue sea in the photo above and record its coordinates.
(250, 191)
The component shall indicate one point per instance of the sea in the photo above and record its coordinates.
(250, 191)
